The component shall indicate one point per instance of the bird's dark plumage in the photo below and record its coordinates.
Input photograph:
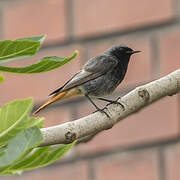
(99, 76)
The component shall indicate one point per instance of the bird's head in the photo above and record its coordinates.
(122, 52)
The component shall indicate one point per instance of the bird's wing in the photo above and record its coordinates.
(94, 68)
(58, 90)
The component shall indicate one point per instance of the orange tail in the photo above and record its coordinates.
(60, 96)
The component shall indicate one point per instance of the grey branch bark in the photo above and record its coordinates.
(96, 122)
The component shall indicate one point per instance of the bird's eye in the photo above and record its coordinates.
(128, 52)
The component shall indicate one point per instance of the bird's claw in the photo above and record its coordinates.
(102, 111)
(116, 102)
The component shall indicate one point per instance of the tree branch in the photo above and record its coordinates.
(96, 122)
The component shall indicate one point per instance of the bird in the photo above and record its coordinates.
(98, 77)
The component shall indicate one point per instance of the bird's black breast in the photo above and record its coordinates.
(119, 71)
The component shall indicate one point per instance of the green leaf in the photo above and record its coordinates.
(20, 145)
(42, 156)
(2, 153)
(37, 155)
(10, 50)
(46, 64)
(1, 78)
(2, 145)
(14, 118)
(35, 121)
(39, 38)
(2, 150)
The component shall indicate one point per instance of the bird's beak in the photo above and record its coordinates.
(133, 52)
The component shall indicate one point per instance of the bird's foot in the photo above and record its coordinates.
(102, 111)
(116, 102)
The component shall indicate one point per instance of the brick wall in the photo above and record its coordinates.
(145, 145)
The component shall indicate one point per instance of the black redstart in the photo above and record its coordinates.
(98, 77)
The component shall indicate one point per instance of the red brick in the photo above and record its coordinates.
(105, 16)
(139, 68)
(130, 166)
(22, 19)
(169, 52)
(39, 85)
(75, 171)
(172, 161)
(155, 122)
(56, 116)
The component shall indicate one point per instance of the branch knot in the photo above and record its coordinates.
(70, 136)
(144, 94)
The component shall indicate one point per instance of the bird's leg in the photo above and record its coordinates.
(113, 102)
(97, 108)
